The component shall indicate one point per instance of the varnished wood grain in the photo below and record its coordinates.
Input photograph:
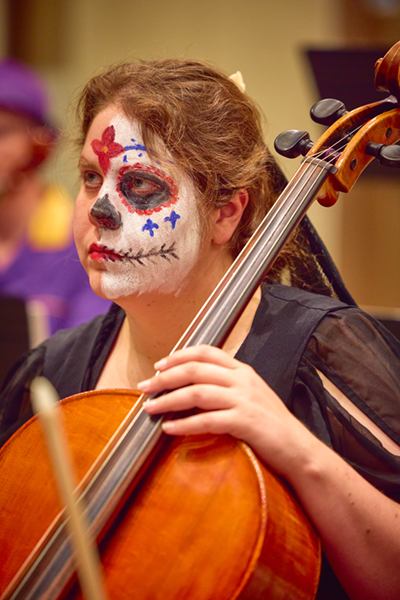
(208, 521)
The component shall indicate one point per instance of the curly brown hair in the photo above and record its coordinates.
(211, 129)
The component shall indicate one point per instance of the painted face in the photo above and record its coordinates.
(144, 209)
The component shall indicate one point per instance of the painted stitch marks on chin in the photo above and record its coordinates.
(141, 257)
(163, 252)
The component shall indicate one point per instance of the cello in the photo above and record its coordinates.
(137, 464)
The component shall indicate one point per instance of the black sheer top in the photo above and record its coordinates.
(295, 336)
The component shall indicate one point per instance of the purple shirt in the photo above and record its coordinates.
(57, 279)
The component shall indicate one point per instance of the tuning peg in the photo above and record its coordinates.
(327, 111)
(389, 156)
(292, 143)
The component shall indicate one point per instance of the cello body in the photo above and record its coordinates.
(207, 520)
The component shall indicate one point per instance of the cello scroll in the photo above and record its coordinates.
(346, 145)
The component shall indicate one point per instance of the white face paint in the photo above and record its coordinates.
(149, 225)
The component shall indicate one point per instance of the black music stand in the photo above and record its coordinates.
(14, 333)
(348, 75)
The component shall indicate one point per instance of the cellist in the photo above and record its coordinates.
(175, 177)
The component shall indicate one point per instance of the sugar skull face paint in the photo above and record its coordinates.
(147, 225)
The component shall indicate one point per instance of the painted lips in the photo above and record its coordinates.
(103, 254)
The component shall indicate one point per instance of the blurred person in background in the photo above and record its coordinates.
(38, 259)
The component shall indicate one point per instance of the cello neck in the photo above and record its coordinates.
(223, 308)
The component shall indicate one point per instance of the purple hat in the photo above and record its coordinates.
(22, 91)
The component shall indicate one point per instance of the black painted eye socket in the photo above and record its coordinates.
(143, 190)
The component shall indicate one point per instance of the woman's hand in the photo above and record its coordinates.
(359, 527)
(233, 399)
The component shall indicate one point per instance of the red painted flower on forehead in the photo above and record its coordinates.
(107, 148)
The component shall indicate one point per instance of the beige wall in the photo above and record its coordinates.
(263, 39)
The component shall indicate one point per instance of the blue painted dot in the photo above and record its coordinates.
(149, 226)
(173, 217)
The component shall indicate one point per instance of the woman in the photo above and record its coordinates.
(175, 177)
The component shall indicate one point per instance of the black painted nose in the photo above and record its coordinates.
(105, 214)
